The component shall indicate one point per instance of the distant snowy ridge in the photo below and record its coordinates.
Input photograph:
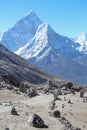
(82, 40)
(0, 36)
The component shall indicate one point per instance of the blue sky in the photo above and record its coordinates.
(66, 17)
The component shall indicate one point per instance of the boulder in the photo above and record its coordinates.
(78, 128)
(52, 105)
(23, 87)
(69, 101)
(82, 93)
(56, 113)
(7, 129)
(31, 92)
(36, 121)
(13, 111)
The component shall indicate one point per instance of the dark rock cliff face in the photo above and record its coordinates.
(14, 69)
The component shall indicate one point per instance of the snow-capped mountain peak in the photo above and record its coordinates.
(44, 39)
(30, 12)
(82, 38)
(31, 19)
(36, 44)
(22, 32)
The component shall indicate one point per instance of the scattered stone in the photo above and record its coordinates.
(23, 86)
(8, 103)
(13, 111)
(52, 105)
(71, 113)
(69, 101)
(6, 85)
(36, 121)
(26, 114)
(31, 92)
(63, 105)
(73, 92)
(46, 89)
(64, 98)
(50, 83)
(62, 120)
(56, 93)
(1, 103)
(85, 99)
(83, 126)
(67, 124)
(77, 128)
(7, 129)
(82, 93)
(69, 85)
(56, 113)
(10, 87)
(2, 84)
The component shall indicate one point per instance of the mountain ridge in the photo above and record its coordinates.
(82, 40)
(19, 69)
(54, 53)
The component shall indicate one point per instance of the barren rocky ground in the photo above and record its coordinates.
(75, 113)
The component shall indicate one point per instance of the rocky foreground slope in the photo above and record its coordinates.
(67, 100)
(14, 69)
(73, 111)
